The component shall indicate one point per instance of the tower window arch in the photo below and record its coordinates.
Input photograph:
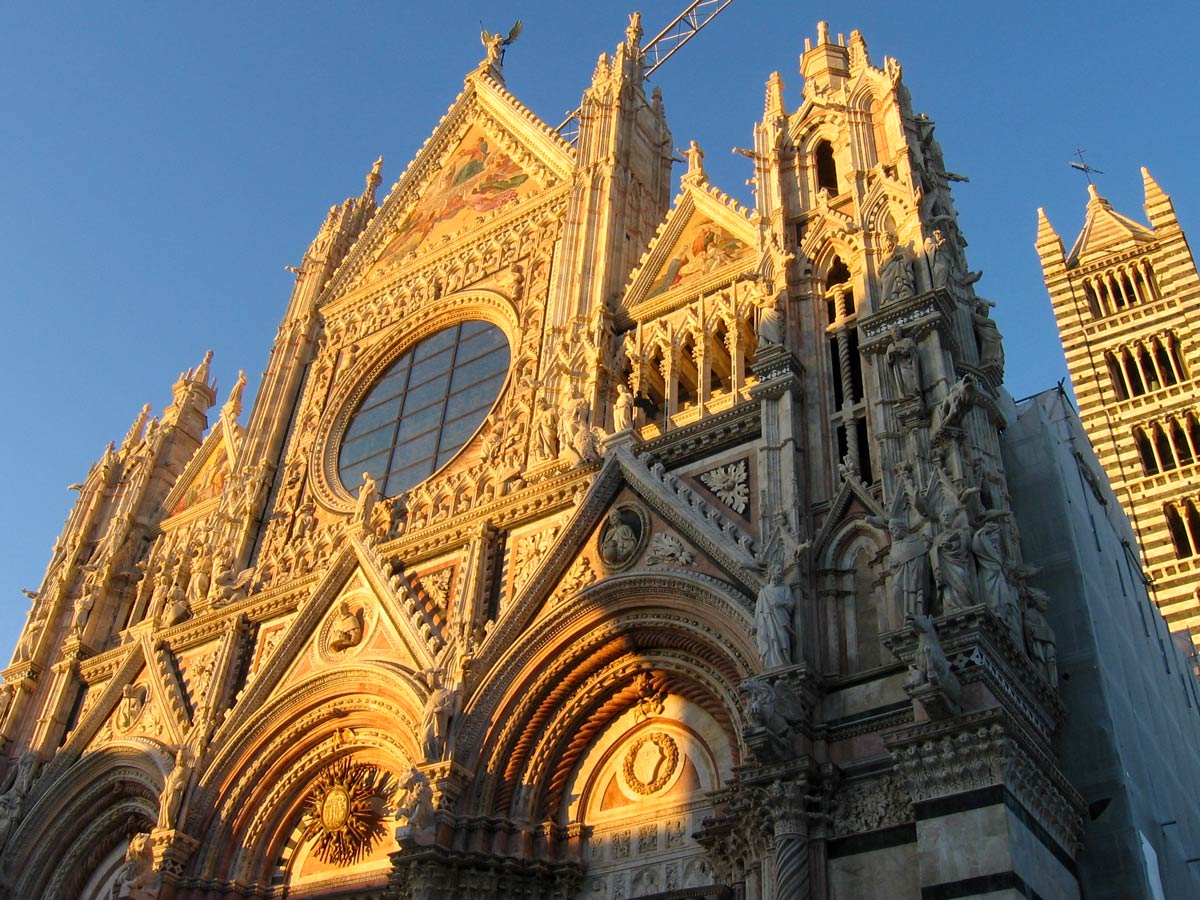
(827, 176)
(1145, 451)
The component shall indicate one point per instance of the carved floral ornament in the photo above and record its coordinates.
(345, 811)
(369, 367)
(730, 484)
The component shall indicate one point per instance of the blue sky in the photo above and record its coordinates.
(162, 163)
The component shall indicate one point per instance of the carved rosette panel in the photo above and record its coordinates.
(730, 484)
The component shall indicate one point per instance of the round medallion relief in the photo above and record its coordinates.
(650, 762)
(335, 809)
(344, 630)
(622, 537)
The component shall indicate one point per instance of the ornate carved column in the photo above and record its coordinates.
(784, 803)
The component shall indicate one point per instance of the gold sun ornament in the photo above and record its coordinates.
(345, 811)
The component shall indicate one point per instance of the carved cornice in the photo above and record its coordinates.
(424, 871)
(981, 648)
(917, 316)
(983, 749)
(711, 434)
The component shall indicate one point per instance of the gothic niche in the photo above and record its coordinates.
(346, 810)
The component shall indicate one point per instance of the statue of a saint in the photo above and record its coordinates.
(773, 619)
(623, 409)
(171, 799)
(440, 710)
(938, 253)
(994, 587)
(771, 326)
(953, 562)
(545, 445)
(991, 345)
(1039, 636)
(908, 562)
(905, 360)
(368, 493)
(896, 277)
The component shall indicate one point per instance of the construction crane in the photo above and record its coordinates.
(661, 47)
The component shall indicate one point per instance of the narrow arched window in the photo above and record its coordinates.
(1192, 517)
(1145, 452)
(1179, 537)
(826, 167)
(1132, 372)
(1163, 444)
(1183, 452)
(1115, 375)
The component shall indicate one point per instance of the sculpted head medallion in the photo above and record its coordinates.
(622, 536)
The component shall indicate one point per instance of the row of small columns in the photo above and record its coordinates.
(1153, 435)
(696, 368)
(1114, 290)
(1138, 354)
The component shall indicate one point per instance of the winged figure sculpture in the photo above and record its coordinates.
(495, 43)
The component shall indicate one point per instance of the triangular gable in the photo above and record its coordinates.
(206, 473)
(476, 178)
(143, 700)
(487, 154)
(700, 528)
(1105, 231)
(322, 634)
(851, 492)
(704, 237)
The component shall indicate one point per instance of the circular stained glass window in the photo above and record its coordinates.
(425, 407)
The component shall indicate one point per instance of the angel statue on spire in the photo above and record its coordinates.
(495, 44)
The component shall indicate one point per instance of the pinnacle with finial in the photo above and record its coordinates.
(373, 177)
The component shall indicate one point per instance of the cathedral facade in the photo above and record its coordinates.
(582, 541)
(1125, 298)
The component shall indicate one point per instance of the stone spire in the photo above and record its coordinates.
(135, 430)
(1159, 208)
(373, 181)
(773, 106)
(1049, 244)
